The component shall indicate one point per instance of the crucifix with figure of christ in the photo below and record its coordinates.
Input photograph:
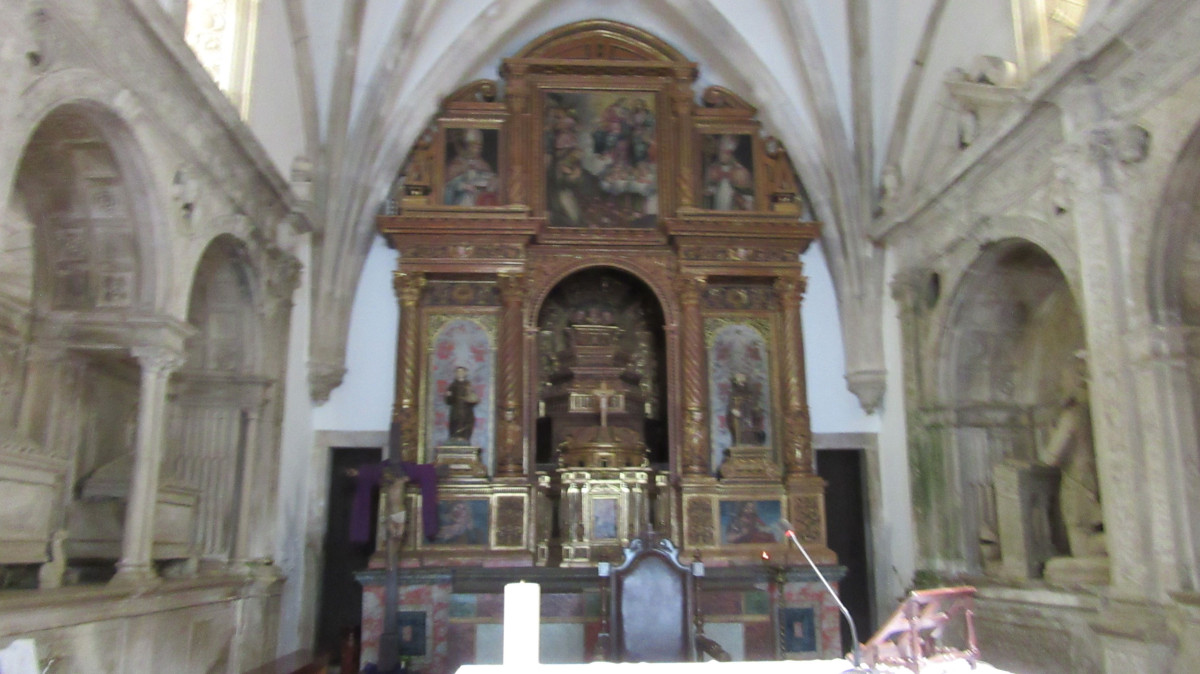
(603, 395)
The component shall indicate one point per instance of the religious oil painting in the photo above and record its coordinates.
(798, 629)
(750, 522)
(410, 626)
(739, 387)
(469, 176)
(462, 522)
(461, 367)
(604, 518)
(728, 172)
(601, 156)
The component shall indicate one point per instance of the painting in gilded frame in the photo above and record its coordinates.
(470, 176)
(601, 157)
(461, 342)
(739, 388)
(727, 174)
(463, 522)
(750, 522)
(604, 518)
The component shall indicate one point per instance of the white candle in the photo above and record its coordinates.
(522, 618)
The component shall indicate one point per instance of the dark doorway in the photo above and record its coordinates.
(341, 595)
(845, 510)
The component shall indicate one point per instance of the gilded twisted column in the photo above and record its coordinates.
(797, 441)
(405, 415)
(510, 450)
(695, 430)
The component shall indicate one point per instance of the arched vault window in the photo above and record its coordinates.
(1043, 27)
(221, 32)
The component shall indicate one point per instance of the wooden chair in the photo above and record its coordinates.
(652, 605)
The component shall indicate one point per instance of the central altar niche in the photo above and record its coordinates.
(600, 283)
(600, 355)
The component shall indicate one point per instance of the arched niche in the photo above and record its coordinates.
(602, 298)
(1012, 388)
(82, 205)
(218, 395)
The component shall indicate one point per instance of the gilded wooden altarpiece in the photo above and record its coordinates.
(601, 164)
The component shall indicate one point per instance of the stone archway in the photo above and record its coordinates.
(1170, 373)
(1012, 414)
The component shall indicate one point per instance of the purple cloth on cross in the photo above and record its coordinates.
(369, 477)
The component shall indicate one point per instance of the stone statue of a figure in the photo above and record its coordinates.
(1069, 447)
(461, 399)
(744, 413)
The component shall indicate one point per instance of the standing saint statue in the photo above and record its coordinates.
(745, 413)
(461, 398)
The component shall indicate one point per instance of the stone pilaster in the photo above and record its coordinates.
(405, 415)
(510, 441)
(137, 547)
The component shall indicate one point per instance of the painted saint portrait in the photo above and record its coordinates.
(462, 522)
(470, 172)
(460, 387)
(739, 389)
(601, 156)
(728, 172)
(750, 522)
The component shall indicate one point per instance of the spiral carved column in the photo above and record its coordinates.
(510, 455)
(695, 429)
(405, 415)
(797, 442)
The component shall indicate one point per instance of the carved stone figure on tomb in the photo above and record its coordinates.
(461, 398)
(1069, 447)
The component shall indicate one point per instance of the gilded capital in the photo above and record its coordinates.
(689, 287)
(512, 286)
(791, 289)
(408, 287)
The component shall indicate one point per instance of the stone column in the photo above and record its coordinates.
(405, 415)
(250, 483)
(695, 421)
(157, 364)
(797, 439)
(510, 440)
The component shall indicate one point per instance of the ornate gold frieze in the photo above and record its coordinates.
(735, 253)
(461, 294)
(740, 298)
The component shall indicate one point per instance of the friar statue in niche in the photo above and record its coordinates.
(461, 398)
(1069, 447)
(745, 412)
